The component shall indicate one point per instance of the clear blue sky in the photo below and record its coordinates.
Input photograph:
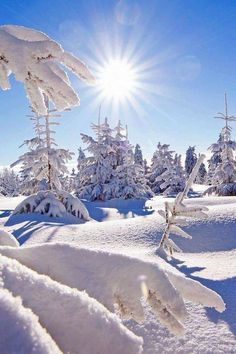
(185, 51)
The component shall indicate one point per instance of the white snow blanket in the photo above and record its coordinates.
(132, 230)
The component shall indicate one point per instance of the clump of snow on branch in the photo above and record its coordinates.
(101, 275)
(77, 323)
(34, 59)
(175, 214)
(55, 204)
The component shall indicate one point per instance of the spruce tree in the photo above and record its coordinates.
(190, 160)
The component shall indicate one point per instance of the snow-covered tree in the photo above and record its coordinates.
(9, 183)
(34, 58)
(44, 161)
(190, 160)
(80, 159)
(96, 180)
(202, 174)
(162, 161)
(224, 176)
(138, 155)
(213, 162)
(173, 180)
(145, 167)
(175, 214)
(110, 172)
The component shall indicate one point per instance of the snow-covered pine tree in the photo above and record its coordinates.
(161, 161)
(172, 179)
(145, 167)
(96, 179)
(111, 172)
(44, 162)
(46, 165)
(201, 175)
(9, 183)
(129, 174)
(214, 161)
(138, 155)
(80, 159)
(190, 160)
(224, 176)
(175, 214)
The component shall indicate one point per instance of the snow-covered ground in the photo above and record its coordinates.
(134, 228)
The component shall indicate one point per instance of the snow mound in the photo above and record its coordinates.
(118, 281)
(20, 330)
(55, 204)
(76, 322)
(6, 239)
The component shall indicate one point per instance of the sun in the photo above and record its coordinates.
(117, 80)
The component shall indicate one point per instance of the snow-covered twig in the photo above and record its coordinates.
(175, 212)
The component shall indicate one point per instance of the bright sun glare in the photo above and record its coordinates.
(117, 79)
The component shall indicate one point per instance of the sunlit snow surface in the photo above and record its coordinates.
(132, 228)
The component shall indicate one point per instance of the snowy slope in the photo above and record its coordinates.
(132, 229)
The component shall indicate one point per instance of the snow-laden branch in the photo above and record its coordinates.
(33, 58)
(176, 212)
(118, 281)
(77, 323)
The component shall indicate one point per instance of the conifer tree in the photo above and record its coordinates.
(190, 160)
(138, 155)
(161, 161)
(224, 176)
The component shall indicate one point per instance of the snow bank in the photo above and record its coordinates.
(6, 239)
(55, 204)
(20, 331)
(114, 280)
(77, 323)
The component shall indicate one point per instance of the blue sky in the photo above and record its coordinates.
(183, 50)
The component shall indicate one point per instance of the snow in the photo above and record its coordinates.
(53, 204)
(6, 239)
(134, 229)
(20, 329)
(38, 67)
(69, 316)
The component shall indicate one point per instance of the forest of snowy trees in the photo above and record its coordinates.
(109, 166)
